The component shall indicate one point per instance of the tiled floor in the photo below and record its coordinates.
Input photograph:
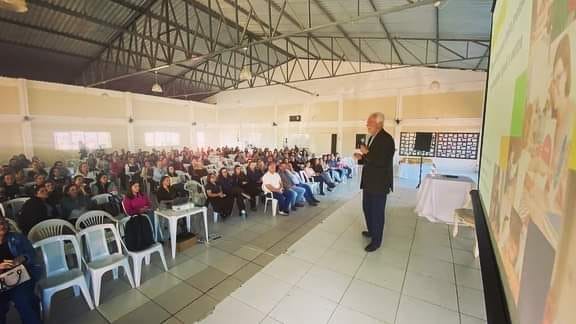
(306, 268)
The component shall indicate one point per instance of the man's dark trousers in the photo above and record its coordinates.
(374, 206)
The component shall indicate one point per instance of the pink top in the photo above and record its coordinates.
(134, 205)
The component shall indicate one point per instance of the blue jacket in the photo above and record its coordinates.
(20, 245)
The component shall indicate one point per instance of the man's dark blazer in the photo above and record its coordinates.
(377, 174)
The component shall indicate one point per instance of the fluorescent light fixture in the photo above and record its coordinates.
(437, 3)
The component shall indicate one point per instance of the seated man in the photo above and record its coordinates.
(308, 194)
(298, 200)
(271, 182)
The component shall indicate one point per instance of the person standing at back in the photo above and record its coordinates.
(377, 177)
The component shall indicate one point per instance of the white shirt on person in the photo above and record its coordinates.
(272, 179)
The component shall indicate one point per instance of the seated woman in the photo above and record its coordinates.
(136, 203)
(35, 210)
(58, 177)
(103, 185)
(254, 185)
(310, 173)
(85, 172)
(74, 203)
(221, 203)
(226, 181)
(197, 170)
(80, 182)
(54, 196)
(9, 189)
(15, 249)
(158, 172)
(165, 191)
(320, 173)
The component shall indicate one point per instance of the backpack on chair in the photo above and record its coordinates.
(138, 235)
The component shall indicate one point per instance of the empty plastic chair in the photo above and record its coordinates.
(100, 259)
(270, 198)
(94, 217)
(137, 257)
(58, 275)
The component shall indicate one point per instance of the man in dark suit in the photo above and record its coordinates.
(377, 177)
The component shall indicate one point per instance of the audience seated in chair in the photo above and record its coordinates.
(272, 183)
(15, 249)
(35, 210)
(231, 189)
(221, 203)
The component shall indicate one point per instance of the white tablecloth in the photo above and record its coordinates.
(412, 170)
(439, 196)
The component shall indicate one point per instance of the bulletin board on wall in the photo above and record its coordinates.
(450, 145)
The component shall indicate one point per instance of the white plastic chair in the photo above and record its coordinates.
(137, 257)
(13, 226)
(58, 275)
(315, 186)
(14, 205)
(101, 198)
(2, 210)
(94, 217)
(50, 228)
(270, 198)
(101, 260)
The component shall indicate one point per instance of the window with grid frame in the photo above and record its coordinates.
(72, 140)
(161, 139)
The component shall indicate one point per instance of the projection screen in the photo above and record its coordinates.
(528, 168)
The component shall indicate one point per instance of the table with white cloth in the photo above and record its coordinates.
(174, 215)
(440, 195)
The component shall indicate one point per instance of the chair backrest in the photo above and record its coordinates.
(303, 176)
(2, 210)
(96, 241)
(13, 226)
(101, 198)
(204, 180)
(50, 228)
(15, 205)
(94, 217)
(54, 253)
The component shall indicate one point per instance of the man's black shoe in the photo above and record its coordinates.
(371, 248)
(299, 205)
(366, 234)
(316, 201)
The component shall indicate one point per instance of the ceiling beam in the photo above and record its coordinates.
(205, 57)
(381, 20)
(341, 29)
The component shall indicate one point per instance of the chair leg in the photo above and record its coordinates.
(86, 293)
(147, 259)
(215, 215)
(126, 266)
(265, 205)
(115, 273)
(455, 228)
(76, 291)
(137, 261)
(96, 281)
(163, 258)
(274, 207)
(46, 300)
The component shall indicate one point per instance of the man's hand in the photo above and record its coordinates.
(358, 156)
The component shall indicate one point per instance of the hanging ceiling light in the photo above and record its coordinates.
(437, 3)
(156, 87)
(245, 74)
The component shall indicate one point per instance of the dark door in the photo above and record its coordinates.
(334, 143)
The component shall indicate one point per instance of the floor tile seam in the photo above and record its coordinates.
(405, 273)
(455, 278)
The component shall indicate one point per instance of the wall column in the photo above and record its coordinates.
(130, 125)
(340, 143)
(25, 125)
(398, 127)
